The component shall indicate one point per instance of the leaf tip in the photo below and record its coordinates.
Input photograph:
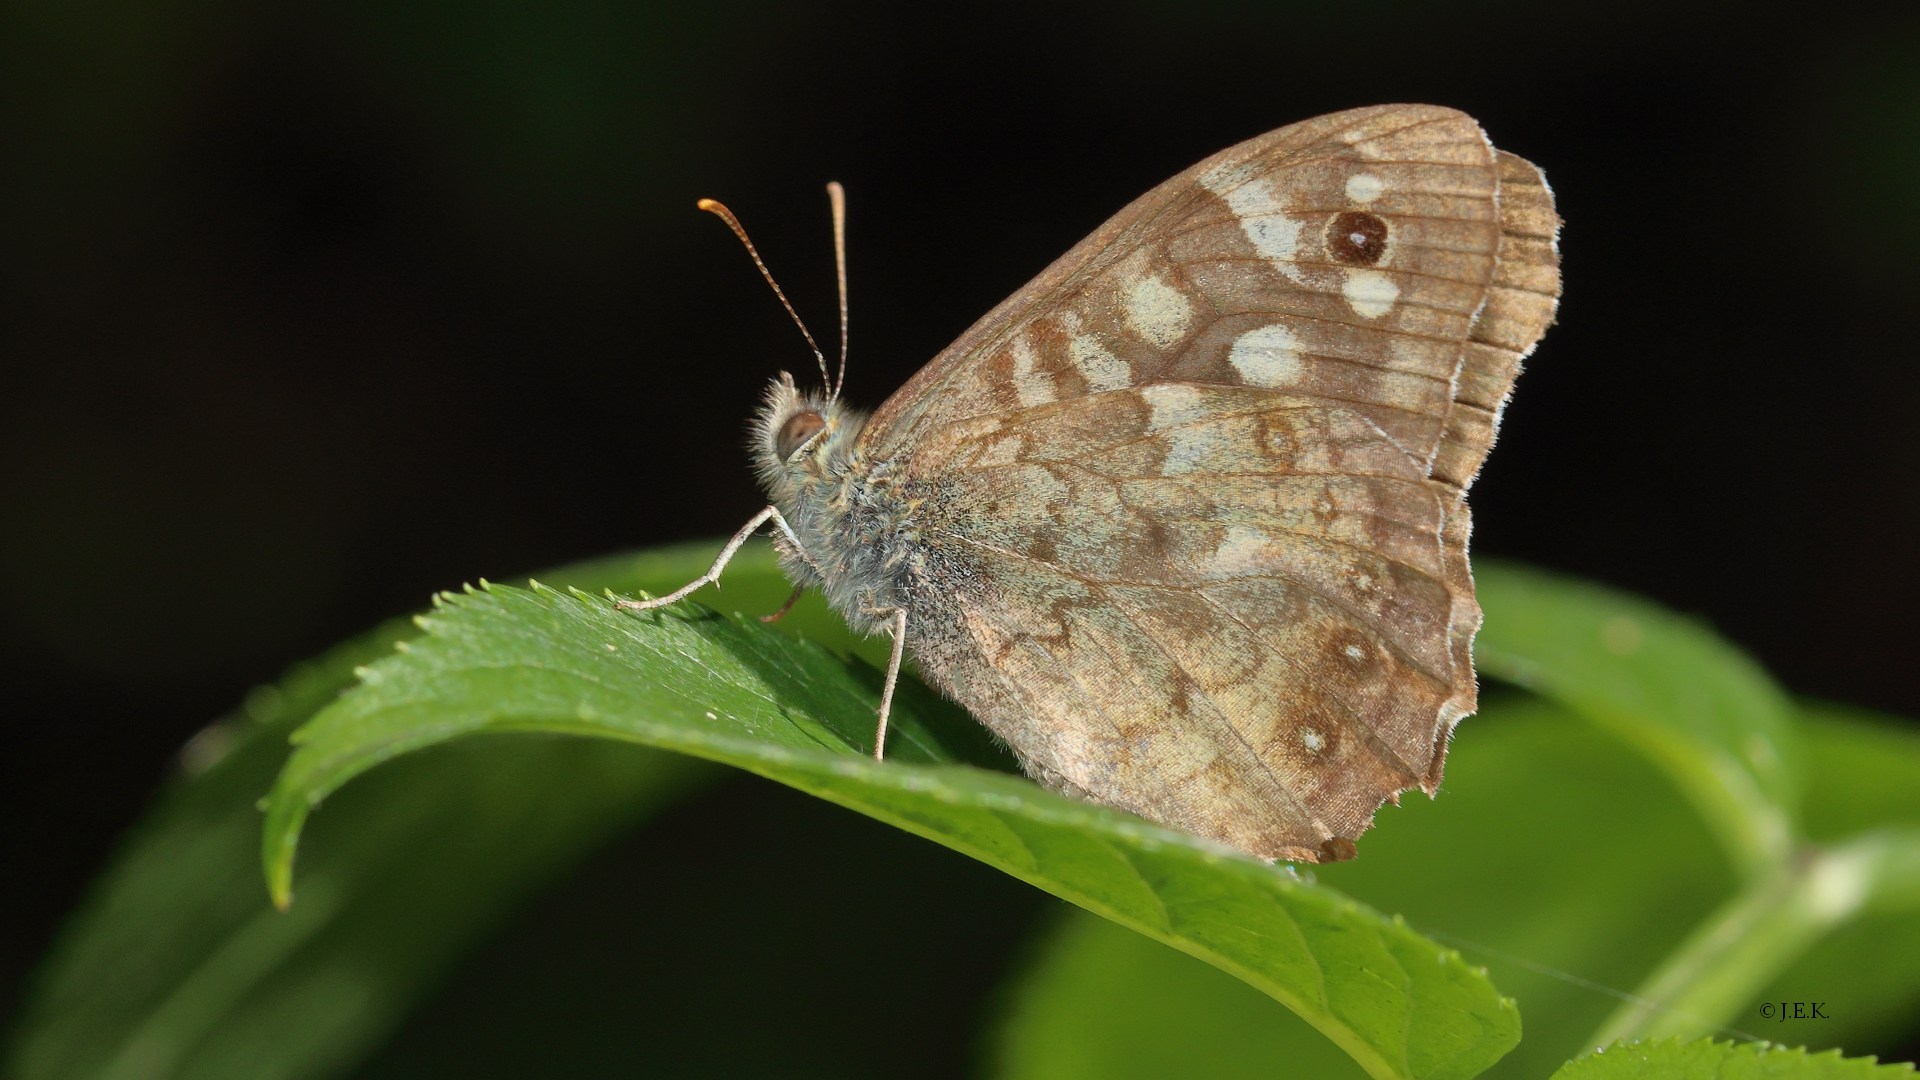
(280, 840)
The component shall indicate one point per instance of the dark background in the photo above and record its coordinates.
(307, 309)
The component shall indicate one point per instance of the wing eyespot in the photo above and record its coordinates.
(1357, 238)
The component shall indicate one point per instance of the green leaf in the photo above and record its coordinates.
(1727, 737)
(1864, 770)
(1671, 1059)
(1105, 1003)
(1551, 846)
(1771, 923)
(1699, 708)
(177, 965)
(1775, 920)
(1863, 775)
(728, 689)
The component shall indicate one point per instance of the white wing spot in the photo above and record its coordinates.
(1242, 549)
(1355, 652)
(1363, 188)
(1198, 448)
(1312, 740)
(1104, 371)
(1370, 293)
(1362, 141)
(1267, 356)
(1032, 387)
(1263, 216)
(1171, 404)
(1157, 311)
(1096, 363)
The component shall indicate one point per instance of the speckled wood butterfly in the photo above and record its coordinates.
(1183, 520)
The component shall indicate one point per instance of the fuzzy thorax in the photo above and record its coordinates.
(851, 530)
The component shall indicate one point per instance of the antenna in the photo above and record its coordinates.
(715, 206)
(837, 195)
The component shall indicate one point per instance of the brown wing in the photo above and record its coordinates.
(1192, 499)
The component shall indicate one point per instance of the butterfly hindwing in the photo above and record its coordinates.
(1190, 502)
(1210, 602)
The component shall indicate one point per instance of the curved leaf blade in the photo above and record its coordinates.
(1703, 711)
(689, 680)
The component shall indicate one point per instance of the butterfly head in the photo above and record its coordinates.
(801, 438)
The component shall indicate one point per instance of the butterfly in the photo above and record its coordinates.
(1183, 521)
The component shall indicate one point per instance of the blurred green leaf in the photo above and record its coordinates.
(686, 679)
(1864, 770)
(1104, 1003)
(1863, 774)
(1775, 921)
(177, 965)
(1708, 716)
(1551, 848)
(1671, 1059)
(1699, 708)
(1771, 923)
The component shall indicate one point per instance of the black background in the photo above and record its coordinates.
(309, 310)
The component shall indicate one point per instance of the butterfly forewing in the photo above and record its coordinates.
(1189, 503)
(1519, 307)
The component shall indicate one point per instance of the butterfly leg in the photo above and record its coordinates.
(898, 617)
(712, 576)
(786, 607)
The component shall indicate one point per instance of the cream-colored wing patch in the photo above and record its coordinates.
(1157, 311)
(1267, 356)
(1370, 292)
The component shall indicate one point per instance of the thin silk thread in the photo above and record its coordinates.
(1585, 984)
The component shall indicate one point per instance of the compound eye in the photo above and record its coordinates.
(796, 431)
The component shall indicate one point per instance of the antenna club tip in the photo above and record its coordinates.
(711, 205)
(833, 187)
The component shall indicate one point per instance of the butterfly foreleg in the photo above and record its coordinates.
(897, 624)
(712, 576)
